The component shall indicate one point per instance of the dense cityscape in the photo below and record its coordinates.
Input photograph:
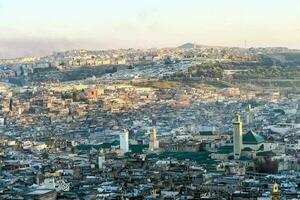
(173, 123)
(149, 100)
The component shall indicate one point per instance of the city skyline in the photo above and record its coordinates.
(35, 28)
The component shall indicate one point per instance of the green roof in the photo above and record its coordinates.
(252, 138)
(266, 153)
(247, 149)
(206, 133)
(244, 158)
(88, 147)
(226, 149)
(138, 148)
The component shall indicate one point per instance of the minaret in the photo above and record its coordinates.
(237, 136)
(101, 159)
(249, 118)
(124, 141)
(153, 143)
(275, 192)
(153, 193)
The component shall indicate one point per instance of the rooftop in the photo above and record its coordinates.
(206, 133)
(266, 153)
(39, 192)
(252, 138)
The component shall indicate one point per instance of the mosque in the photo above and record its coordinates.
(245, 145)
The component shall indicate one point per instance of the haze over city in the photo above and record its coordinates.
(35, 28)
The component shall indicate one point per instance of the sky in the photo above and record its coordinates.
(39, 27)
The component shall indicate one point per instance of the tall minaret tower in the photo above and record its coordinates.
(153, 143)
(101, 159)
(237, 136)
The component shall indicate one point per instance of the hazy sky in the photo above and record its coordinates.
(38, 27)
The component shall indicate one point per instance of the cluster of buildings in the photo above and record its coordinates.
(120, 140)
(23, 67)
(134, 135)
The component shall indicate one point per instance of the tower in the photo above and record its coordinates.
(275, 192)
(153, 143)
(153, 193)
(249, 117)
(124, 141)
(237, 136)
(101, 159)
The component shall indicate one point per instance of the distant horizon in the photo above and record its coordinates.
(38, 28)
(49, 52)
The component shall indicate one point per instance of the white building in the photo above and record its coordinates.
(124, 145)
(2, 121)
(249, 116)
(58, 185)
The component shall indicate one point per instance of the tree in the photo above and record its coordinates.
(266, 165)
(76, 96)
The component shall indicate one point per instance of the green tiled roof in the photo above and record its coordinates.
(206, 133)
(244, 158)
(226, 149)
(247, 149)
(266, 153)
(138, 148)
(252, 138)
